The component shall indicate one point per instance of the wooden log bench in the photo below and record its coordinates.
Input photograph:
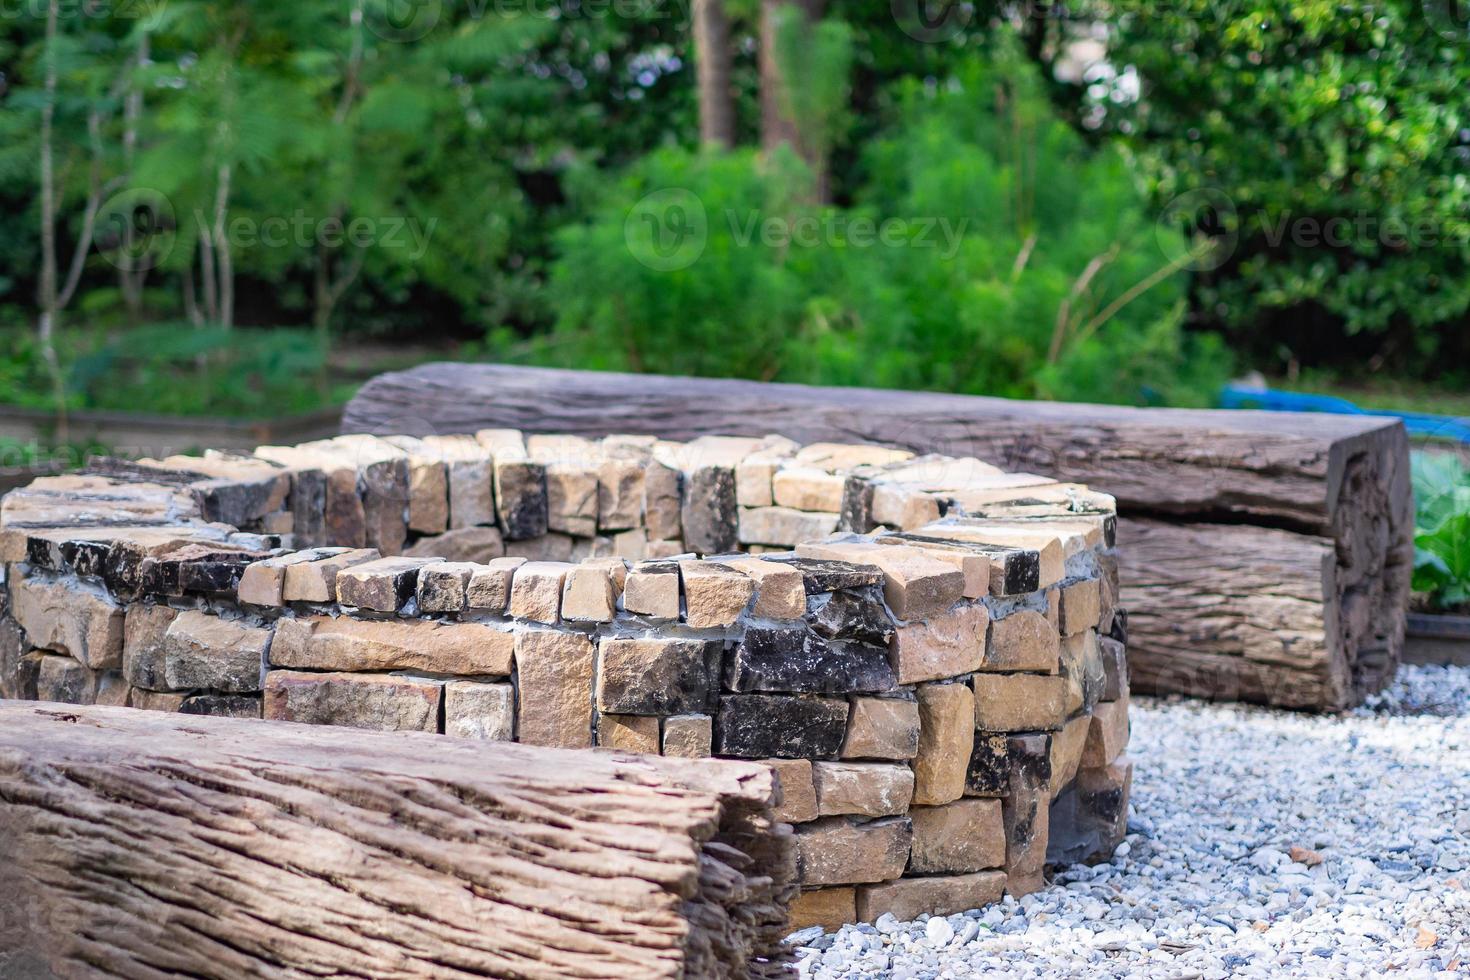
(144, 844)
(1266, 556)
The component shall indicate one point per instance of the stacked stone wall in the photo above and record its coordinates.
(926, 650)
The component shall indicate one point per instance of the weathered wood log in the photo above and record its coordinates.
(1342, 480)
(141, 844)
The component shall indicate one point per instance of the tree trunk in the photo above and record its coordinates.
(777, 124)
(1322, 501)
(712, 62)
(138, 843)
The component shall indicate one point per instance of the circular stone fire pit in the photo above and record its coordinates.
(926, 649)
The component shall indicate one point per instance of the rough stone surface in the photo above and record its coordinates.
(629, 733)
(837, 851)
(66, 680)
(69, 619)
(1083, 667)
(856, 614)
(520, 498)
(1066, 753)
(828, 908)
(758, 726)
(571, 498)
(263, 583)
(203, 651)
(714, 595)
(489, 584)
(883, 728)
(869, 789)
(948, 645)
(1114, 656)
(340, 643)
(316, 581)
(1019, 702)
(783, 526)
(652, 590)
(827, 575)
(535, 591)
(902, 507)
(657, 675)
(915, 584)
(780, 592)
(1024, 640)
(555, 688)
(590, 594)
(223, 705)
(475, 709)
(477, 544)
(709, 513)
(441, 586)
(662, 501)
(805, 488)
(144, 628)
(1081, 605)
(946, 739)
(619, 494)
(988, 773)
(688, 736)
(384, 585)
(1024, 808)
(957, 838)
(798, 790)
(794, 659)
(382, 702)
(910, 898)
(1107, 734)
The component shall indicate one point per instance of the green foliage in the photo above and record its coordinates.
(987, 251)
(1302, 112)
(1442, 528)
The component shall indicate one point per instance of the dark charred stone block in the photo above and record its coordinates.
(308, 504)
(384, 486)
(1119, 629)
(658, 675)
(520, 499)
(85, 557)
(765, 726)
(1029, 757)
(1020, 567)
(1115, 668)
(855, 614)
(857, 506)
(829, 574)
(989, 772)
(798, 660)
(196, 568)
(19, 664)
(222, 705)
(43, 553)
(709, 512)
(1088, 819)
(238, 502)
(122, 572)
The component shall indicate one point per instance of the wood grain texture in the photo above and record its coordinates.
(142, 844)
(1333, 487)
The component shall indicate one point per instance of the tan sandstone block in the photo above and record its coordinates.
(754, 476)
(869, 789)
(69, 619)
(947, 645)
(714, 595)
(909, 898)
(535, 591)
(155, 700)
(1066, 753)
(798, 789)
(652, 591)
(1022, 883)
(903, 507)
(263, 583)
(1023, 641)
(428, 495)
(688, 736)
(432, 646)
(830, 908)
(206, 651)
(946, 739)
(476, 709)
(662, 502)
(807, 488)
(571, 498)
(780, 592)
(555, 691)
(590, 594)
(382, 702)
(1107, 734)
(1081, 605)
(316, 581)
(915, 584)
(620, 493)
(442, 586)
(839, 851)
(957, 838)
(489, 584)
(783, 526)
(834, 456)
(629, 733)
(973, 566)
(1019, 702)
(882, 728)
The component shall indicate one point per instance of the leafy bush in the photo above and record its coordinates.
(1304, 113)
(988, 251)
(1442, 528)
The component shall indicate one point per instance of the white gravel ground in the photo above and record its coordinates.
(1205, 885)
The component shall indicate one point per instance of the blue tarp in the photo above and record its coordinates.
(1418, 423)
